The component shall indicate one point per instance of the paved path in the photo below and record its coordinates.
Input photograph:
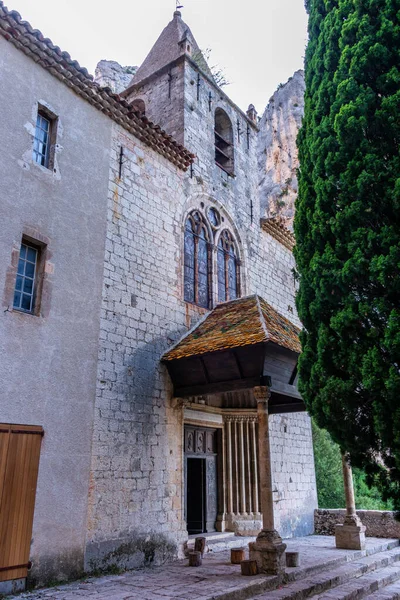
(215, 579)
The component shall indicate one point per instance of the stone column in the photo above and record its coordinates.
(241, 485)
(268, 550)
(350, 535)
(256, 508)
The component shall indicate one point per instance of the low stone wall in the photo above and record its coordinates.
(379, 523)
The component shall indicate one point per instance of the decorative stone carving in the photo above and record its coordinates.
(241, 500)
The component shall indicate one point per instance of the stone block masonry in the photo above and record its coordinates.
(136, 512)
(382, 524)
(293, 474)
(135, 498)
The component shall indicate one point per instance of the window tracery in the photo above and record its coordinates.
(201, 264)
(196, 261)
(228, 268)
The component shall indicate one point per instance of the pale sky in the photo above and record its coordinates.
(257, 43)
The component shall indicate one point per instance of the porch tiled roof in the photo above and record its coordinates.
(243, 322)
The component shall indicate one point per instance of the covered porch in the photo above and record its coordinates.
(233, 370)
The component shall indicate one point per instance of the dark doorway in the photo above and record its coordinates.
(201, 491)
(196, 495)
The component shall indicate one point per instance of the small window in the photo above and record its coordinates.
(27, 277)
(223, 141)
(44, 140)
(228, 269)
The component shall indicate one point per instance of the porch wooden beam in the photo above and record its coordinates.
(285, 389)
(221, 386)
(280, 409)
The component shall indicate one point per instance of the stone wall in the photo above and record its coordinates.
(136, 497)
(293, 474)
(382, 524)
(48, 361)
(277, 149)
(135, 502)
(267, 270)
(163, 99)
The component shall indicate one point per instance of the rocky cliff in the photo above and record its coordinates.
(111, 74)
(277, 150)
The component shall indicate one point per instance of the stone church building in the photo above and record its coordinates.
(147, 298)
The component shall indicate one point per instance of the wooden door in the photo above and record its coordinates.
(201, 503)
(19, 465)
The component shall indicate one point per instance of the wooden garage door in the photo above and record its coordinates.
(19, 465)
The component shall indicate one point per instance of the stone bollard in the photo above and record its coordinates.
(195, 559)
(249, 567)
(237, 555)
(292, 559)
(200, 545)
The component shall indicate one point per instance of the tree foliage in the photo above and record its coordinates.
(329, 475)
(347, 229)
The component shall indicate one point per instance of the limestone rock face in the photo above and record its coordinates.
(277, 150)
(111, 74)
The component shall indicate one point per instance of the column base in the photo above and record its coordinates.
(350, 535)
(269, 552)
(244, 524)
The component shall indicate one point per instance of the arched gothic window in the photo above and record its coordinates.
(228, 268)
(197, 261)
(223, 141)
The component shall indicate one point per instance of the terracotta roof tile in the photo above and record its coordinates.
(234, 324)
(49, 56)
(277, 228)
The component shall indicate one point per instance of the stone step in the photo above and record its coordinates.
(349, 581)
(210, 537)
(363, 586)
(350, 557)
(221, 542)
(308, 581)
(390, 592)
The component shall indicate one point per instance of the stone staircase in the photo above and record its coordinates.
(373, 577)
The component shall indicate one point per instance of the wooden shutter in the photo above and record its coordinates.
(19, 465)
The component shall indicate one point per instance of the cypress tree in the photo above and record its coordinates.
(347, 229)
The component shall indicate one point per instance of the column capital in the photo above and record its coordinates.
(262, 393)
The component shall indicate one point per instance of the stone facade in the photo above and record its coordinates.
(114, 210)
(144, 312)
(135, 497)
(49, 361)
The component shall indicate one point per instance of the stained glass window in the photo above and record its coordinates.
(213, 217)
(196, 261)
(228, 268)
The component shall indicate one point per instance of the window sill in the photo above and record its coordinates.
(197, 307)
(21, 311)
(47, 170)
